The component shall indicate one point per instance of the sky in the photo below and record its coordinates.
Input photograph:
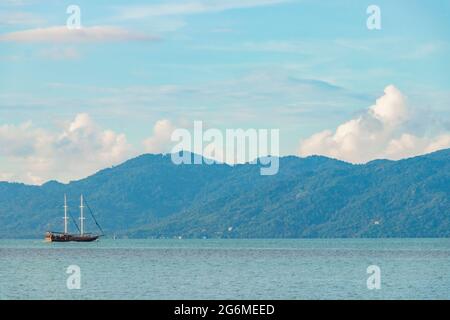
(74, 101)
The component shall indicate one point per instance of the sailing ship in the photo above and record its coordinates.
(52, 236)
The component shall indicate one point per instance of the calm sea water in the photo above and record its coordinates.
(226, 269)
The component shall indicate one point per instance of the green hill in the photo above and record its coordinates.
(310, 197)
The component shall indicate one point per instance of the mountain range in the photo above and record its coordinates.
(314, 197)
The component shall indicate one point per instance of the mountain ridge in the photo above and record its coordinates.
(313, 197)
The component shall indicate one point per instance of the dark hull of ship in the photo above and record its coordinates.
(66, 237)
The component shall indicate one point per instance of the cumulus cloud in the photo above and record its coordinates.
(35, 155)
(384, 131)
(62, 34)
(160, 141)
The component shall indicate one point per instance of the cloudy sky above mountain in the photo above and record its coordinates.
(75, 101)
(386, 130)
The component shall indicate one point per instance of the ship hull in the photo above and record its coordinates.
(65, 237)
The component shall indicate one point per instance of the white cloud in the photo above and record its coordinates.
(35, 155)
(20, 18)
(13, 3)
(61, 34)
(193, 7)
(283, 46)
(384, 131)
(424, 50)
(160, 141)
(56, 53)
(18, 140)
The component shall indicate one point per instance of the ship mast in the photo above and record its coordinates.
(81, 217)
(65, 214)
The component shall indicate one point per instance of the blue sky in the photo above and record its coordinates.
(301, 66)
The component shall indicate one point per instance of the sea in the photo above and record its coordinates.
(226, 269)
